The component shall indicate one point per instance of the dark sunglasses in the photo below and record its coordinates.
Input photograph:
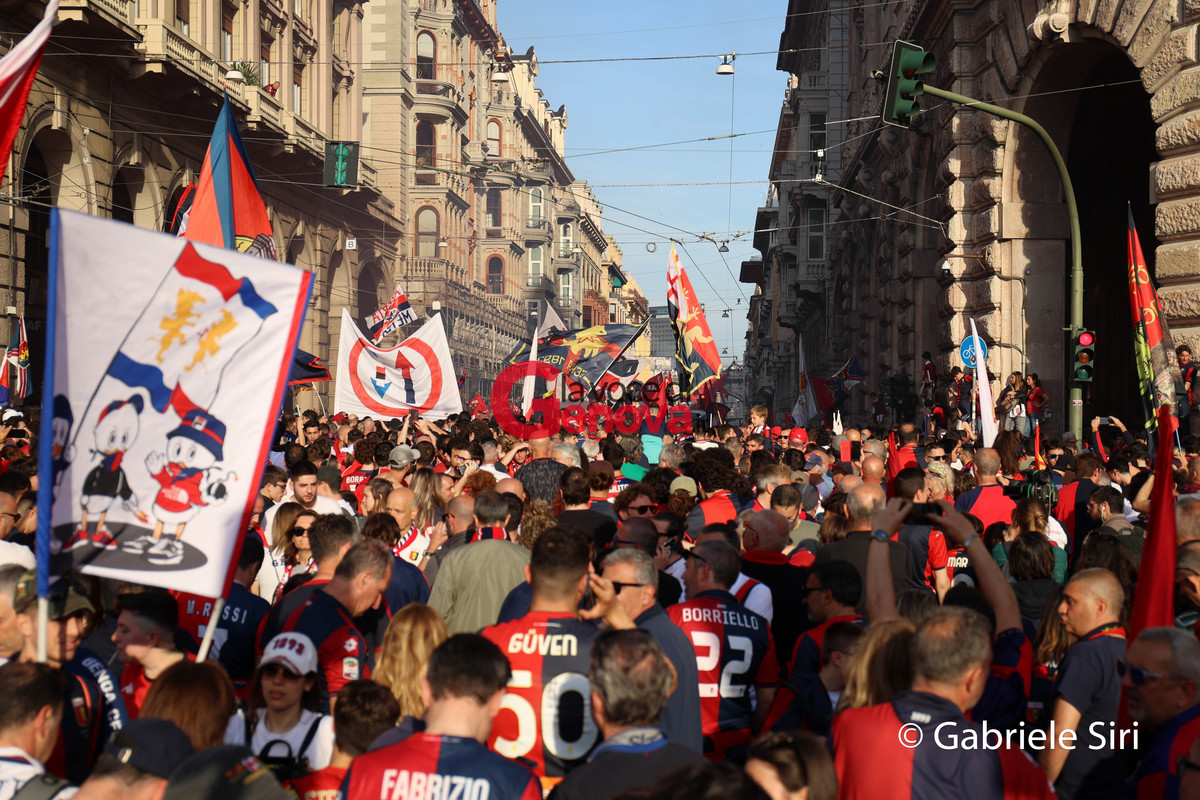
(937, 458)
(695, 555)
(645, 510)
(273, 671)
(618, 586)
(1137, 675)
(298, 531)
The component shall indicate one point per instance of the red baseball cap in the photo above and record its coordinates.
(776, 430)
(798, 436)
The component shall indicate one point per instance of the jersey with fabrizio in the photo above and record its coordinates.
(905, 749)
(341, 650)
(94, 711)
(429, 765)
(549, 653)
(734, 651)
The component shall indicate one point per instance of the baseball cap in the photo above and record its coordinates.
(228, 772)
(151, 745)
(331, 475)
(809, 496)
(339, 417)
(292, 650)
(776, 430)
(814, 461)
(65, 598)
(798, 436)
(685, 483)
(402, 455)
(11, 415)
(600, 468)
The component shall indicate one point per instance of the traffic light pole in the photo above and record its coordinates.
(1075, 412)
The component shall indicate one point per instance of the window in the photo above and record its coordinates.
(227, 15)
(297, 89)
(493, 139)
(816, 131)
(495, 275)
(264, 63)
(816, 234)
(426, 145)
(300, 9)
(425, 57)
(535, 261)
(566, 287)
(535, 203)
(183, 15)
(493, 208)
(427, 233)
(565, 239)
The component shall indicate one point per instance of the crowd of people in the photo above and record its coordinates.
(439, 610)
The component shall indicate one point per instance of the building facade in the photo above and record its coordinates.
(962, 216)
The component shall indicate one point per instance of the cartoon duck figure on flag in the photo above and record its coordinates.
(189, 481)
(115, 432)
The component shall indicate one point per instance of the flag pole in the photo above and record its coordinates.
(210, 630)
(46, 442)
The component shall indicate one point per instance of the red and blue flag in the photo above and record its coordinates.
(227, 209)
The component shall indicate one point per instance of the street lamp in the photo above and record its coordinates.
(726, 67)
(443, 244)
(724, 248)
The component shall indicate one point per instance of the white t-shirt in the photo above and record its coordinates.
(759, 600)
(13, 553)
(320, 749)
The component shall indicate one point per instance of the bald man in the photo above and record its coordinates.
(873, 470)
(1087, 690)
(511, 486)
(459, 519)
(764, 537)
(849, 483)
(414, 543)
(861, 505)
(987, 500)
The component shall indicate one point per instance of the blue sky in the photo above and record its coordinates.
(630, 104)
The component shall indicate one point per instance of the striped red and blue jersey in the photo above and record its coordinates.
(734, 651)
(913, 747)
(989, 503)
(429, 765)
(1157, 774)
(342, 654)
(545, 717)
(718, 507)
(1005, 700)
(807, 655)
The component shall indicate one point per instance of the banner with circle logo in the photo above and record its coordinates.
(416, 374)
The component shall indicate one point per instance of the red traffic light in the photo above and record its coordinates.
(1086, 339)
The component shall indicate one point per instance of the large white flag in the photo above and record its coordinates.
(167, 362)
(552, 322)
(415, 375)
(806, 403)
(987, 409)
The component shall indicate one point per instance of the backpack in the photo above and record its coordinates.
(286, 767)
(41, 787)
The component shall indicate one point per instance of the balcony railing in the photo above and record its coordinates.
(433, 269)
(537, 225)
(162, 42)
(539, 282)
(122, 10)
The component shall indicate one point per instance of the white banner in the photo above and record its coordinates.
(987, 409)
(806, 402)
(384, 384)
(169, 363)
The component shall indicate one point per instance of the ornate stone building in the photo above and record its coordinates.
(963, 215)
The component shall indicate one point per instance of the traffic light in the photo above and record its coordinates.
(341, 165)
(904, 87)
(1085, 357)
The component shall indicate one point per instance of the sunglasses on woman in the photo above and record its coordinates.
(275, 671)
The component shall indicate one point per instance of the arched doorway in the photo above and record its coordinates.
(1091, 101)
(38, 192)
(372, 289)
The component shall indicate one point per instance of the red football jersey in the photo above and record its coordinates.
(134, 685)
(734, 650)
(323, 784)
(545, 716)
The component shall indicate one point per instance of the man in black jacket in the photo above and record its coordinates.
(630, 680)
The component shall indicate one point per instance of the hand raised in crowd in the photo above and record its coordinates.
(890, 518)
(606, 606)
(438, 537)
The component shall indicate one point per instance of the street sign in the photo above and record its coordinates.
(967, 350)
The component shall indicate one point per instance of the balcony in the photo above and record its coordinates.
(265, 110)
(435, 269)
(537, 225)
(440, 99)
(162, 45)
(305, 135)
(538, 282)
(565, 262)
(113, 14)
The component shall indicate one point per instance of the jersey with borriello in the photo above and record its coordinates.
(437, 767)
(549, 697)
(734, 651)
(341, 650)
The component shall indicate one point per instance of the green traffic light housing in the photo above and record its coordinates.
(1084, 369)
(904, 87)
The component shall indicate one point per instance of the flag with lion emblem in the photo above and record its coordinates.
(583, 355)
(695, 351)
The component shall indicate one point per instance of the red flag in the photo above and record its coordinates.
(1154, 598)
(893, 461)
(479, 407)
(18, 68)
(1039, 461)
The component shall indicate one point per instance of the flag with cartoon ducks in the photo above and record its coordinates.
(167, 360)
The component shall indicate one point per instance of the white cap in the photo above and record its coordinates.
(292, 650)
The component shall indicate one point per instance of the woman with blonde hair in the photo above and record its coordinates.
(375, 497)
(426, 486)
(881, 665)
(411, 636)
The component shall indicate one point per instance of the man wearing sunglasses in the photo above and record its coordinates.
(1161, 675)
(1088, 687)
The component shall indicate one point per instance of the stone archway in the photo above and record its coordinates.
(1106, 135)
